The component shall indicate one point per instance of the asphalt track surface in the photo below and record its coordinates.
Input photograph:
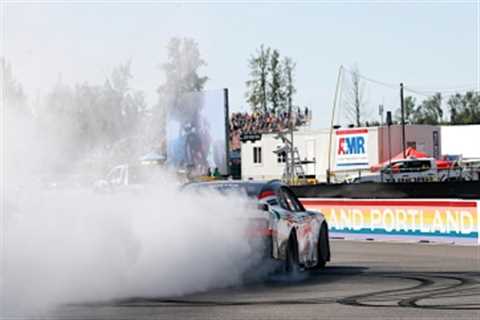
(365, 280)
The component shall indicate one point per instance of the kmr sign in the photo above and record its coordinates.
(351, 149)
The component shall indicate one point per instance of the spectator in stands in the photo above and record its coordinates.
(267, 122)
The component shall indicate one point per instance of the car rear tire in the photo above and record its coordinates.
(323, 248)
(291, 259)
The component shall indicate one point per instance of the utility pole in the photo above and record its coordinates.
(403, 121)
(389, 124)
(337, 89)
(227, 130)
(380, 113)
(292, 160)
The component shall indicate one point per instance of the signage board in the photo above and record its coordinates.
(351, 149)
(247, 136)
(417, 218)
(196, 132)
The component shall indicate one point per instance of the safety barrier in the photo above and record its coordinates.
(422, 220)
(412, 190)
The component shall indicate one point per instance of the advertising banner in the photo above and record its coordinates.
(452, 220)
(351, 149)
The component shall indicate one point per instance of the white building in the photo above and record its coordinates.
(460, 140)
(352, 150)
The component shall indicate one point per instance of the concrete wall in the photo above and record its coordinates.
(461, 140)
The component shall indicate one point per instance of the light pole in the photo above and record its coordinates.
(402, 107)
(389, 123)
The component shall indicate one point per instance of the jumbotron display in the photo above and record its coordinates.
(197, 133)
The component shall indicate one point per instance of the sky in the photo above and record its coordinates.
(427, 45)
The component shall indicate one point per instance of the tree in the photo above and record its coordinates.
(181, 73)
(355, 99)
(276, 85)
(430, 110)
(464, 109)
(410, 111)
(92, 117)
(15, 98)
(128, 105)
(288, 71)
(181, 78)
(181, 69)
(257, 87)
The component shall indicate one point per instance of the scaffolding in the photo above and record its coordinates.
(294, 172)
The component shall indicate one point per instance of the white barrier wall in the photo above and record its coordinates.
(406, 219)
(457, 140)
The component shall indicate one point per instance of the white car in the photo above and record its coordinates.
(296, 236)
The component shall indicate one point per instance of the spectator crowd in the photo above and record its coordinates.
(268, 122)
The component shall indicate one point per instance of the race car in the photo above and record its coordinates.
(294, 235)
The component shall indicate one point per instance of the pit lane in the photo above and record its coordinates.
(365, 280)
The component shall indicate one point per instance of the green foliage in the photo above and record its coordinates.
(276, 93)
(181, 69)
(430, 110)
(270, 87)
(97, 116)
(410, 109)
(15, 98)
(257, 87)
(288, 71)
(464, 109)
(181, 75)
(411, 114)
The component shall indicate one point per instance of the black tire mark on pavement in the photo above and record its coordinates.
(431, 286)
(355, 300)
(466, 287)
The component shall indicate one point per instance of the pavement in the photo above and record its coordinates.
(365, 280)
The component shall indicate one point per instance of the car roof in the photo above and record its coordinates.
(257, 186)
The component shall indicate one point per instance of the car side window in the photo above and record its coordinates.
(292, 200)
(282, 198)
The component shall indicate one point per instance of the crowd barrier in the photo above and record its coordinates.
(424, 220)
(369, 190)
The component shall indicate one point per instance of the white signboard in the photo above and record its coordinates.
(351, 149)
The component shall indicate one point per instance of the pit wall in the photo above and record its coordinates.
(424, 220)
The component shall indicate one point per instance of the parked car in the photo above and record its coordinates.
(414, 170)
(127, 177)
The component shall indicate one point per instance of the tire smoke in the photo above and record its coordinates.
(71, 245)
(74, 246)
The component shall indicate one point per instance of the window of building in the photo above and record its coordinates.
(257, 154)
(282, 157)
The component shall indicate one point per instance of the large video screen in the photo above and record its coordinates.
(197, 133)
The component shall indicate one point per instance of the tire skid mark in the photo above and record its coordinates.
(412, 301)
(207, 303)
(467, 287)
(425, 286)
(355, 300)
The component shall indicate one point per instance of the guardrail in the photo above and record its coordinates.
(424, 220)
(411, 190)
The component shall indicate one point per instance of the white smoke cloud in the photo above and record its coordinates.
(69, 245)
(73, 246)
